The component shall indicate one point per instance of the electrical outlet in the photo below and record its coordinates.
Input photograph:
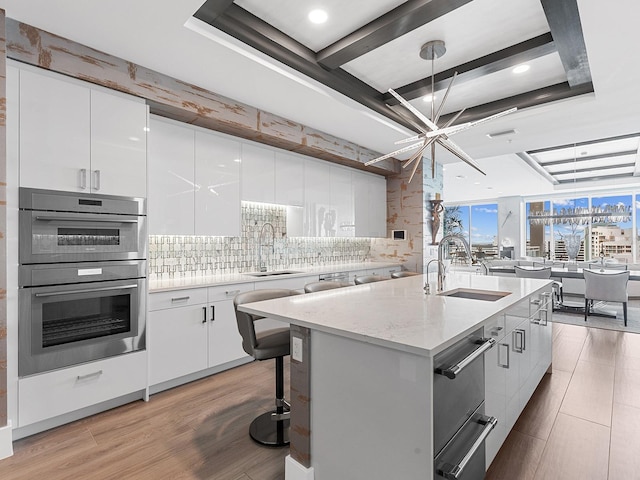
(296, 349)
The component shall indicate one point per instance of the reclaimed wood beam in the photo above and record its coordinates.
(494, 62)
(183, 101)
(393, 24)
(564, 21)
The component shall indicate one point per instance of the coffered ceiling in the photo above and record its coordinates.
(484, 39)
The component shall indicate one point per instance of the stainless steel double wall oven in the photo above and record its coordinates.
(82, 278)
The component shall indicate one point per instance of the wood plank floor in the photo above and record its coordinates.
(580, 424)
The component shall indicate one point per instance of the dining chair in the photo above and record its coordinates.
(540, 272)
(606, 287)
(369, 279)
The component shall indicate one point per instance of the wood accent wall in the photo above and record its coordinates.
(3, 222)
(181, 101)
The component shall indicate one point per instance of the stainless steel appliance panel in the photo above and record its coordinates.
(463, 458)
(60, 227)
(456, 399)
(65, 273)
(63, 325)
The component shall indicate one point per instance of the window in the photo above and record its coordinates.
(565, 227)
(538, 234)
(612, 237)
(484, 231)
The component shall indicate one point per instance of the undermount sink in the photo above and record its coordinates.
(475, 294)
(271, 274)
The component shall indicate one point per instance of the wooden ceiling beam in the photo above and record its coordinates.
(393, 24)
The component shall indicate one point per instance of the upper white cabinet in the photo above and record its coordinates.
(118, 145)
(217, 193)
(289, 176)
(370, 196)
(76, 137)
(342, 201)
(171, 179)
(258, 173)
(318, 219)
(55, 143)
(194, 181)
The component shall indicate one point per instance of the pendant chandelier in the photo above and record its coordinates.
(430, 133)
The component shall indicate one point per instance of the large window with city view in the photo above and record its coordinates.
(558, 226)
(478, 224)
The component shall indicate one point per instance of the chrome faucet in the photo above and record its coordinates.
(261, 266)
(441, 245)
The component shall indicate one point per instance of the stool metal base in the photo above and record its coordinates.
(272, 433)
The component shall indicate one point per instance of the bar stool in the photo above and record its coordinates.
(324, 285)
(271, 428)
(369, 279)
(403, 274)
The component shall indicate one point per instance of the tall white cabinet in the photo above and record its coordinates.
(75, 136)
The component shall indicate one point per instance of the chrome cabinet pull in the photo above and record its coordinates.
(230, 293)
(454, 370)
(79, 378)
(83, 178)
(204, 314)
(521, 346)
(455, 472)
(506, 365)
(87, 290)
(180, 299)
(96, 180)
(213, 313)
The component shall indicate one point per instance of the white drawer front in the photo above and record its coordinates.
(63, 391)
(228, 292)
(296, 283)
(177, 298)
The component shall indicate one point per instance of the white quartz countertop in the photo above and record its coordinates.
(397, 313)
(194, 281)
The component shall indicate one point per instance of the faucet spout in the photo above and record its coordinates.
(445, 241)
(261, 266)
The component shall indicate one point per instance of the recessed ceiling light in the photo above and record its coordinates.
(476, 183)
(428, 98)
(521, 68)
(237, 160)
(489, 188)
(583, 153)
(318, 16)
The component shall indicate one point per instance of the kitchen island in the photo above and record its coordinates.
(362, 368)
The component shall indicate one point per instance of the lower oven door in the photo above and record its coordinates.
(65, 325)
(463, 458)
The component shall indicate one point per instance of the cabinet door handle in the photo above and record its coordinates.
(79, 378)
(180, 299)
(505, 365)
(96, 179)
(521, 345)
(213, 313)
(83, 178)
(204, 314)
(454, 370)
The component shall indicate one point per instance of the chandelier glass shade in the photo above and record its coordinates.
(581, 215)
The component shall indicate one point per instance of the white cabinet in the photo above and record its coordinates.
(289, 176)
(318, 219)
(171, 179)
(192, 330)
(258, 173)
(75, 137)
(118, 145)
(370, 205)
(55, 143)
(194, 181)
(342, 203)
(217, 192)
(515, 366)
(62, 391)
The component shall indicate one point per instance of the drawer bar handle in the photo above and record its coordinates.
(455, 471)
(79, 378)
(228, 293)
(180, 299)
(454, 370)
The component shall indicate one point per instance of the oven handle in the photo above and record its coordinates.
(454, 370)
(85, 218)
(87, 290)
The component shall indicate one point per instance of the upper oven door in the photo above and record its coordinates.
(53, 237)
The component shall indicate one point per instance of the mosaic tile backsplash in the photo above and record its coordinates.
(263, 243)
